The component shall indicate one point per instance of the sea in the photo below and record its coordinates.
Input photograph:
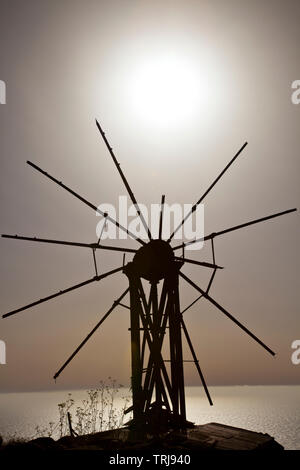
(268, 409)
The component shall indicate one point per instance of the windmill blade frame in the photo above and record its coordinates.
(85, 201)
(62, 292)
(128, 188)
(222, 309)
(207, 191)
(114, 305)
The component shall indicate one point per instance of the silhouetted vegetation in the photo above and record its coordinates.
(96, 413)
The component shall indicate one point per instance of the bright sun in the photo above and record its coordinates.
(166, 90)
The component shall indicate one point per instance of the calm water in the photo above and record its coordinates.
(271, 409)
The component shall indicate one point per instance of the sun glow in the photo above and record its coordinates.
(169, 90)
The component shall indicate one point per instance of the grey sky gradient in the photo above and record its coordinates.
(66, 63)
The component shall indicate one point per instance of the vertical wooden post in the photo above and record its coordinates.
(179, 356)
(136, 365)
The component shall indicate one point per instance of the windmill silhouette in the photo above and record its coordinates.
(158, 394)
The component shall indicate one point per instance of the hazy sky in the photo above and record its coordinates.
(178, 86)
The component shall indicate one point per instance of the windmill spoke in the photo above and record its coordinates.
(199, 263)
(211, 281)
(161, 216)
(52, 296)
(214, 260)
(191, 304)
(222, 309)
(114, 305)
(94, 246)
(129, 190)
(196, 361)
(200, 296)
(207, 191)
(104, 214)
(236, 227)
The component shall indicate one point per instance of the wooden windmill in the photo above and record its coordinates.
(156, 318)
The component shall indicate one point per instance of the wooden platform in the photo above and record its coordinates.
(221, 437)
(207, 437)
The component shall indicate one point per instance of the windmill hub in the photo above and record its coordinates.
(154, 260)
